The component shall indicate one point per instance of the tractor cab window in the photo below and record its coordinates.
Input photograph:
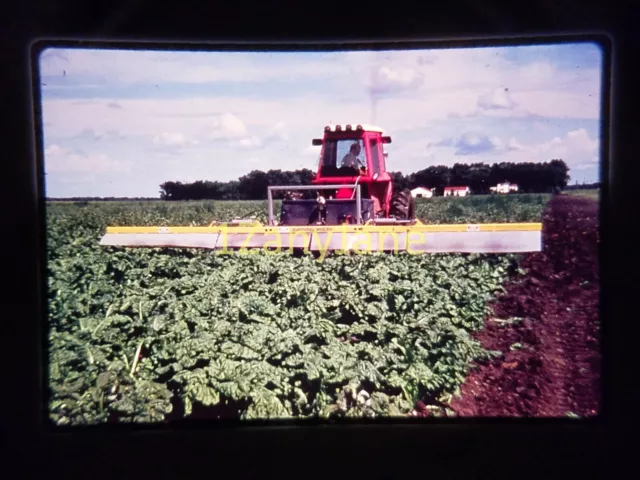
(375, 146)
(343, 157)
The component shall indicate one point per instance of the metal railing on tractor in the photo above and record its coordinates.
(314, 187)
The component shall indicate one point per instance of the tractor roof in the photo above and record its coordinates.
(343, 127)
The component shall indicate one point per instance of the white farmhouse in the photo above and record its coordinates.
(504, 188)
(422, 192)
(457, 191)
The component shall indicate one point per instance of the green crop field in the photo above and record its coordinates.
(146, 335)
(592, 193)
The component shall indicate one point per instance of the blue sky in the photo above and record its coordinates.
(120, 123)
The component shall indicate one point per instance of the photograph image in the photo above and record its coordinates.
(326, 234)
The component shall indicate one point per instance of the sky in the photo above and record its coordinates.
(122, 122)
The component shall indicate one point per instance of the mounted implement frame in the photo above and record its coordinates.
(376, 220)
(382, 235)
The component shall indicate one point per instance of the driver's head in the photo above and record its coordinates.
(355, 149)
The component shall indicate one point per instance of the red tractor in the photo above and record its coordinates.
(351, 155)
(355, 206)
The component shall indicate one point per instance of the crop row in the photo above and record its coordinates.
(154, 334)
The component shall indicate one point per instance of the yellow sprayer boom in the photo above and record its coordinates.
(414, 237)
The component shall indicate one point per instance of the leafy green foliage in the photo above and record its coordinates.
(136, 333)
(482, 208)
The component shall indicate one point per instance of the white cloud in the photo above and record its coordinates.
(278, 133)
(472, 143)
(311, 151)
(514, 145)
(498, 98)
(575, 146)
(225, 126)
(481, 82)
(62, 160)
(90, 134)
(394, 80)
(401, 113)
(249, 142)
(448, 73)
(558, 103)
(149, 117)
(497, 143)
(94, 67)
(583, 166)
(194, 115)
(410, 156)
(537, 73)
(172, 139)
(77, 179)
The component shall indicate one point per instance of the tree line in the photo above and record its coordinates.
(583, 186)
(479, 177)
(252, 186)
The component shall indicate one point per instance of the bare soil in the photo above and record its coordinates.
(551, 358)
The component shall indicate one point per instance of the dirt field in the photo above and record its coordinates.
(551, 361)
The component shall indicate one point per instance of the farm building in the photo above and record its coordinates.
(504, 188)
(422, 192)
(457, 191)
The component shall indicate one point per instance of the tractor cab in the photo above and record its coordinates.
(353, 154)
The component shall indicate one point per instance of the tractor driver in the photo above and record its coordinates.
(351, 159)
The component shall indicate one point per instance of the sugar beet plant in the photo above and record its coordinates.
(148, 335)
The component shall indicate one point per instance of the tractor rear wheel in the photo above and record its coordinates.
(403, 206)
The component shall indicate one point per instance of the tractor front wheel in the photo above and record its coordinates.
(403, 205)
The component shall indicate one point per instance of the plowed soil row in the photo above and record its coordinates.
(551, 359)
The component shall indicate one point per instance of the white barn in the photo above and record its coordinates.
(422, 192)
(457, 191)
(504, 188)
